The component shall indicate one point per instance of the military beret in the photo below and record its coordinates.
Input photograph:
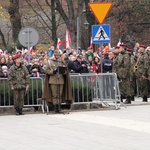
(143, 46)
(129, 50)
(123, 45)
(16, 56)
(57, 52)
(117, 47)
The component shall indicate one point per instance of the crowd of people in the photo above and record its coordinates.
(132, 66)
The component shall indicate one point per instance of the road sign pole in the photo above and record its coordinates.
(101, 59)
(28, 37)
(28, 46)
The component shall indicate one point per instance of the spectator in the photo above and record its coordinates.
(80, 66)
(89, 53)
(96, 65)
(107, 64)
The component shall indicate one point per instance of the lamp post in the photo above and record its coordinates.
(86, 24)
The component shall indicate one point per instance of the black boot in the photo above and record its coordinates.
(121, 98)
(145, 99)
(17, 110)
(20, 111)
(132, 98)
(56, 109)
(128, 100)
(51, 107)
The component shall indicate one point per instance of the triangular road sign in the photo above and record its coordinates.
(100, 10)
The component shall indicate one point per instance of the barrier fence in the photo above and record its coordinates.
(31, 97)
(96, 88)
(86, 88)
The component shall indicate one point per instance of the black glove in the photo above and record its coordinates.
(55, 71)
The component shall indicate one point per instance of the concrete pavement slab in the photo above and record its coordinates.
(127, 128)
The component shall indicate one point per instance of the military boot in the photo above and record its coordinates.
(121, 98)
(132, 98)
(20, 111)
(145, 99)
(17, 110)
(56, 109)
(128, 100)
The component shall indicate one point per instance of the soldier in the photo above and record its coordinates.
(131, 73)
(123, 73)
(116, 52)
(57, 82)
(141, 71)
(1, 73)
(19, 82)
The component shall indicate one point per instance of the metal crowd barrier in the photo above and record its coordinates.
(86, 88)
(96, 88)
(32, 98)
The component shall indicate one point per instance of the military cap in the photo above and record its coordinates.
(123, 45)
(129, 50)
(143, 46)
(57, 52)
(117, 47)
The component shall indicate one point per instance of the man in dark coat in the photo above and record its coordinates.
(80, 65)
(57, 83)
(107, 64)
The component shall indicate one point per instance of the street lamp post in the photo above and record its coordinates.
(86, 24)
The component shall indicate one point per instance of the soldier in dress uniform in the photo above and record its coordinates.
(57, 82)
(141, 71)
(19, 82)
(124, 64)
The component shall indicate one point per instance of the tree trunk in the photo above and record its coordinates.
(3, 39)
(54, 28)
(15, 19)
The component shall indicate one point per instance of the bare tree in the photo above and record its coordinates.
(15, 19)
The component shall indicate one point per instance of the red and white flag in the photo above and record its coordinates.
(31, 49)
(59, 42)
(91, 44)
(119, 42)
(68, 39)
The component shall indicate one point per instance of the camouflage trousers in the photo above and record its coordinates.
(56, 93)
(126, 87)
(18, 96)
(143, 87)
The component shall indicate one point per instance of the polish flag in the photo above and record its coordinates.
(31, 49)
(119, 42)
(68, 39)
(59, 42)
(91, 44)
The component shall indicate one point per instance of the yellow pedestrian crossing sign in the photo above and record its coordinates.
(101, 34)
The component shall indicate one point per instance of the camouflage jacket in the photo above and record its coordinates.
(1, 73)
(18, 77)
(124, 64)
(142, 65)
(115, 63)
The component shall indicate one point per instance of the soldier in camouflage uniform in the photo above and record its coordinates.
(115, 59)
(1, 73)
(124, 64)
(141, 72)
(131, 73)
(19, 82)
(148, 52)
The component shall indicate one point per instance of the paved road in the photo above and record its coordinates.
(124, 129)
